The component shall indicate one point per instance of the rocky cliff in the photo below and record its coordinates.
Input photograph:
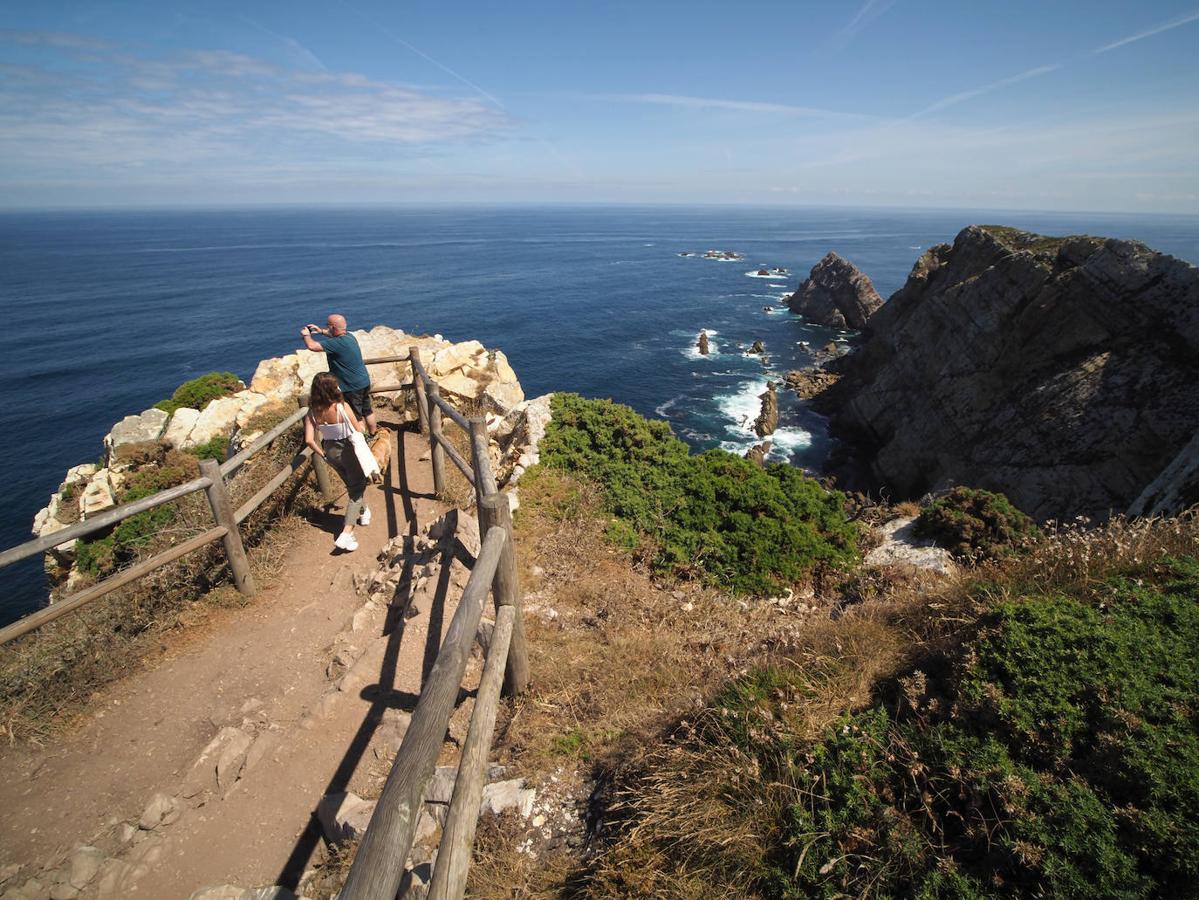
(836, 293)
(470, 377)
(1060, 371)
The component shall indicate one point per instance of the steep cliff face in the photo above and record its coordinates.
(836, 293)
(1060, 371)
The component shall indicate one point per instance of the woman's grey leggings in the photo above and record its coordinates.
(341, 455)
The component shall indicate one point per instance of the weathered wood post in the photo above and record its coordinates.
(418, 387)
(222, 511)
(436, 453)
(481, 461)
(494, 511)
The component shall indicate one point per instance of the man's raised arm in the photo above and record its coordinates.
(306, 334)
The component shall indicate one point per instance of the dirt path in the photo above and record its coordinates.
(260, 681)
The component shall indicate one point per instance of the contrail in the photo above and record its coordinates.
(425, 56)
(1167, 26)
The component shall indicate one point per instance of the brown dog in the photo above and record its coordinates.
(380, 446)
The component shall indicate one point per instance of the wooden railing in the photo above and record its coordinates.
(378, 867)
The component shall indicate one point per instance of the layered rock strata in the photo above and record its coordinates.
(837, 294)
(1060, 371)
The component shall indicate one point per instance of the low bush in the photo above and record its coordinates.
(975, 524)
(1054, 751)
(215, 449)
(199, 392)
(713, 515)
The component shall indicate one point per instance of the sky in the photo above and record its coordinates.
(996, 104)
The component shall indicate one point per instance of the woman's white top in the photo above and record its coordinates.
(339, 430)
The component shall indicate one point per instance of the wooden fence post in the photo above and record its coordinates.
(418, 387)
(222, 511)
(436, 453)
(494, 511)
(481, 458)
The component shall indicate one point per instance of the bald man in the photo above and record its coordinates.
(345, 362)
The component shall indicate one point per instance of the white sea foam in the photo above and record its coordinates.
(742, 409)
(755, 274)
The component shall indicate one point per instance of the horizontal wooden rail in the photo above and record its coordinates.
(233, 463)
(378, 867)
(108, 585)
(456, 459)
(459, 419)
(379, 360)
(100, 522)
(267, 489)
(458, 835)
(389, 388)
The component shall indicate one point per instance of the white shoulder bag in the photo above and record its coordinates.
(366, 459)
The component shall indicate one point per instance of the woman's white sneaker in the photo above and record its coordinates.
(365, 518)
(346, 542)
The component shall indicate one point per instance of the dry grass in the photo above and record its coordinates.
(49, 676)
(697, 816)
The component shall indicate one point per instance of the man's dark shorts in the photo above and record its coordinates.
(360, 402)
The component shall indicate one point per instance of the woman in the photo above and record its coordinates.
(333, 419)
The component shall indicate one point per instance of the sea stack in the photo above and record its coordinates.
(702, 343)
(768, 418)
(837, 294)
(1060, 371)
(757, 453)
(757, 347)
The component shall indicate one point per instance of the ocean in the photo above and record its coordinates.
(108, 312)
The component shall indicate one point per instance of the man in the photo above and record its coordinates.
(345, 362)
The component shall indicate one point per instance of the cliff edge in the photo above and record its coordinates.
(1060, 371)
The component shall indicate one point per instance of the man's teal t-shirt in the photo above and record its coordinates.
(345, 362)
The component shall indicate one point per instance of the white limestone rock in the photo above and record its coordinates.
(344, 816)
(502, 796)
(180, 427)
(97, 496)
(136, 429)
(217, 418)
(902, 549)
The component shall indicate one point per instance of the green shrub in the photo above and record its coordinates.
(1055, 753)
(974, 524)
(716, 515)
(215, 449)
(199, 392)
(103, 556)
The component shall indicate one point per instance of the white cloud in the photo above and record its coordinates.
(198, 113)
(1157, 29)
(683, 101)
(962, 96)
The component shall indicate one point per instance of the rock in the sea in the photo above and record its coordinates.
(1059, 371)
(807, 383)
(756, 347)
(836, 293)
(768, 418)
(702, 343)
(758, 452)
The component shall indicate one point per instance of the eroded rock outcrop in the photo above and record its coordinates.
(1060, 371)
(702, 343)
(768, 418)
(469, 375)
(836, 293)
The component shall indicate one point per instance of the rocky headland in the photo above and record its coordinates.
(1059, 371)
(470, 376)
(837, 294)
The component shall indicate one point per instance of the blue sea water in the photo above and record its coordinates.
(107, 312)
